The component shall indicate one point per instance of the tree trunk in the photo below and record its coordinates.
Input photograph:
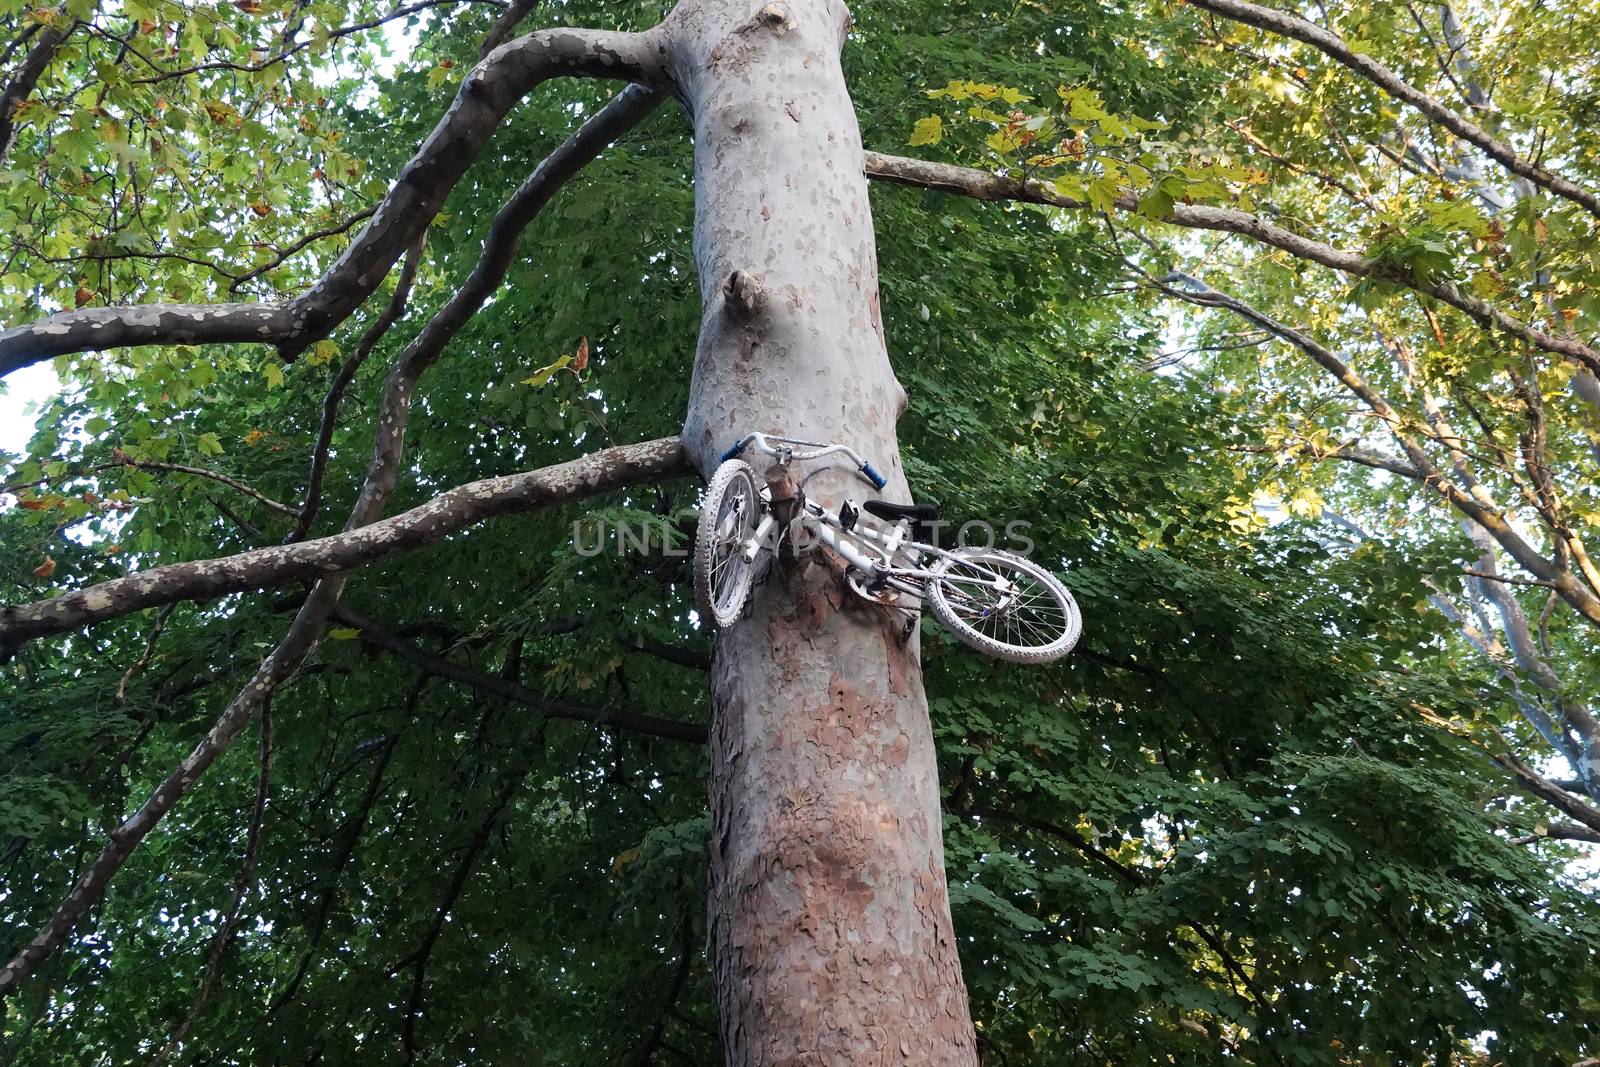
(830, 927)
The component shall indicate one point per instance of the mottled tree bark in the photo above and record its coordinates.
(830, 933)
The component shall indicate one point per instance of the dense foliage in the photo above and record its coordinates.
(1253, 819)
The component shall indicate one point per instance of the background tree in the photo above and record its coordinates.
(1251, 819)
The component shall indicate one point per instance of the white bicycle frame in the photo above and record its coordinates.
(830, 531)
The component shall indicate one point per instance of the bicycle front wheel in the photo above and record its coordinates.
(1004, 606)
(728, 517)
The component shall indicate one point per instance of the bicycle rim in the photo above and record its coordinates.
(1004, 606)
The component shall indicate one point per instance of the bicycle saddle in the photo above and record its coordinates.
(895, 512)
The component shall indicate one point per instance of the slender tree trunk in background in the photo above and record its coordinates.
(830, 933)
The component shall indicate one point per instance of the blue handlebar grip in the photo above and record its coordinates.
(733, 453)
(872, 475)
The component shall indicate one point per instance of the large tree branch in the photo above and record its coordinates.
(1522, 653)
(274, 670)
(97, 329)
(1335, 47)
(487, 94)
(508, 74)
(983, 185)
(1547, 791)
(620, 115)
(423, 525)
(47, 42)
(552, 707)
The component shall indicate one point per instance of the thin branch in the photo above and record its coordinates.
(1508, 580)
(355, 825)
(122, 459)
(1335, 47)
(1349, 453)
(301, 243)
(418, 959)
(341, 381)
(294, 49)
(241, 888)
(1479, 511)
(149, 651)
(983, 185)
(552, 707)
(687, 950)
(505, 25)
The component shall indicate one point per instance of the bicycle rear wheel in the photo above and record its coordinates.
(728, 516)
(1004, 606)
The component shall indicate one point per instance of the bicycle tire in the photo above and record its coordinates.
(722, 578)
(1046, 630)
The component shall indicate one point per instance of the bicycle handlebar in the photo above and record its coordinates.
(764, 441)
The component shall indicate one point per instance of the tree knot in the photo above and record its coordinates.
(774, 16)
(744, 295)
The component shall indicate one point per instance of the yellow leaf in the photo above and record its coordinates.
(927, 131)
(322, 352)
(344, 633)
(544, 374)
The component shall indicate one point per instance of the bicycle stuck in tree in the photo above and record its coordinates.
(999, 603)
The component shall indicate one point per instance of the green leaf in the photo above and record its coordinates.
(1156, 204)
